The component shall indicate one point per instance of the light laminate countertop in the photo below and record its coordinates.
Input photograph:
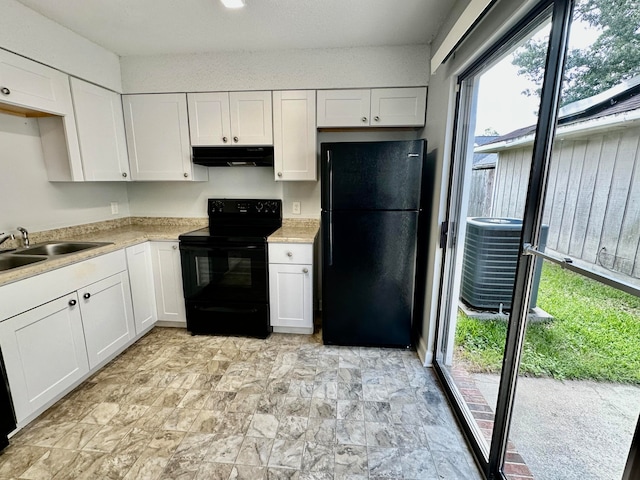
(123, 233)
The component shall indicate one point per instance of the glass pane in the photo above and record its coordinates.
(487, 227)
(578, 393)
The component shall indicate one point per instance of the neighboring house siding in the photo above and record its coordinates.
(593, 197)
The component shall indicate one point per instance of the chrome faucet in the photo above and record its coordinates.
(25, 236)
(4, 237)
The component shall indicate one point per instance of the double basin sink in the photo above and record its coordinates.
(41, 252)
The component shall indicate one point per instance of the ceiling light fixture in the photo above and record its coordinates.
(233, 3)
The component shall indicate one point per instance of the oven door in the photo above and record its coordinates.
(214, 273)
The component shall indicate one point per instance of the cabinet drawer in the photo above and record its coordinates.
(300, 253)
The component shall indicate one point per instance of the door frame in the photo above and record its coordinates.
(491, 462)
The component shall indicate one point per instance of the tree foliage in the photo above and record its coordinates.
(613, 57)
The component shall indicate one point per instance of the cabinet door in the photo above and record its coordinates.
(294, 142)
(167, 276)
(209, 120)
(291, 297)
(33, 86)
(107, 317)
(44, 353)
(398, 107)
(344, 108)
(142, 293)
(251, 118)
(157, 131)
(100, 123)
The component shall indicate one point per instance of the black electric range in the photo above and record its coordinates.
(224, 268)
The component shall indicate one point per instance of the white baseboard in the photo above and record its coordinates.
(297, 330)
(426, 355)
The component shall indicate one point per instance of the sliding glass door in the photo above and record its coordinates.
(484, 229)
(519, 205)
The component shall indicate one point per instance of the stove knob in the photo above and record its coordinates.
(259, 206)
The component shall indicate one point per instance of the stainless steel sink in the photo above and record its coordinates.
(51, 249)
(9, 262)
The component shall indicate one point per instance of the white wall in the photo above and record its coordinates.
(30, 200)
(278, 70)
(32, 35)
(189, 199)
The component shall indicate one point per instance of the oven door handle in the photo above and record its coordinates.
(225, 309)
(224, 248)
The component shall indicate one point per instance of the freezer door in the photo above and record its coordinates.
(372, 175)
(368, 277)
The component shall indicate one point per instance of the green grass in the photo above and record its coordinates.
(595, 333)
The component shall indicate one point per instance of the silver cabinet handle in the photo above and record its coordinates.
(5, 90)
(224, 139)
(235, 139)
(289, 254)
(86, 296)
(175, 247)
(364, 119)
(376, 118)
(124, 174)
(72, 303)
(186, 175)
(280, 174)
(305, 270)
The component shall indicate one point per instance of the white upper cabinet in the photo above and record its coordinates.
(235, 118)
(294, 135)
(32, 89)
(344, 108)
(251, 115)
(209, 120)
(100, 124)
(392, 107)
(378, 107)
(33, 86)
(157, 131)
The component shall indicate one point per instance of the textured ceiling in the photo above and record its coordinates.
(148, 27)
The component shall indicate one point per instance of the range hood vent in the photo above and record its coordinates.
(233, 156)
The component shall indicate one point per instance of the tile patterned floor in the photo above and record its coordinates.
(175, 407)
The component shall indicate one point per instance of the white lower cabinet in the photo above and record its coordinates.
(107, 317)
(142, 288)
(167, 277)
(50, 346)
(291, 287)
(44, 353)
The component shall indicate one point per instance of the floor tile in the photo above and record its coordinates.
(179, 407)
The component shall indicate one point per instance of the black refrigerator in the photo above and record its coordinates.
(371, 197)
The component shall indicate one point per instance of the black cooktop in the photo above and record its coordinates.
(238, 220)
(254, 233)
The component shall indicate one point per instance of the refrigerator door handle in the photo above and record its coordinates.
(329, 207)
(330, 170)
(330, 249)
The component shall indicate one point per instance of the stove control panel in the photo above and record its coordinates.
(249, 208)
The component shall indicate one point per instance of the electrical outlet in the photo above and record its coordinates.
(114, 208)
(296, 208)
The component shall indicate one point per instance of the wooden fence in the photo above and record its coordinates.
(593, 197)
(481, 194)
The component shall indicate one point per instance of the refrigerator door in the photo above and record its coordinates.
(372, 175)
(368, 277)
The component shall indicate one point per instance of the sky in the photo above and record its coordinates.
(501, 104)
